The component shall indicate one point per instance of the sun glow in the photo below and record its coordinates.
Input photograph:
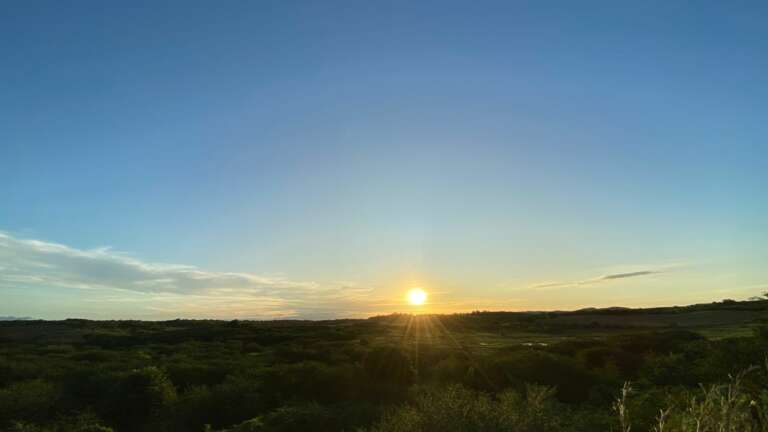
(416, 296)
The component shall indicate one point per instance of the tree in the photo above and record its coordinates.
(31, 401)
(145, 399)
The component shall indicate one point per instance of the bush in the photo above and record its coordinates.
(143, 401)
(514, 370)
(457, 409)
(27, 401)
(715, 408)
(306, 417)
(84, 422)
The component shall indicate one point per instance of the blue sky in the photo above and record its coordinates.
(317, 159)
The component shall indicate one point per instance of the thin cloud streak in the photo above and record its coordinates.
(628, 275)
(596, 280)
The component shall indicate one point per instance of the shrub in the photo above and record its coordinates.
(143, 401)
(29, 401)
(457, 409)
(715, 408)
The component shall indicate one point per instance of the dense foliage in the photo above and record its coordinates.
(696, 368)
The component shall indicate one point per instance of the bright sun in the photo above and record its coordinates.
(417, 296)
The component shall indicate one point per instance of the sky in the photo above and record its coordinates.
(304, 159)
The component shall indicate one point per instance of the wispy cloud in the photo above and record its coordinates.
(598, 279)
(170, 288)
(627, 275)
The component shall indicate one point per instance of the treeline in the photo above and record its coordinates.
(79, 376)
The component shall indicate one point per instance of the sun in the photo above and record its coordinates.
(416, 296)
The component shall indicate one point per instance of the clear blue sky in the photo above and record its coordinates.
(318, 158)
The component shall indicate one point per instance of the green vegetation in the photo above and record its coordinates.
(696, 368)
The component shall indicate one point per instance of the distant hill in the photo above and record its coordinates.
(14, 318)
(594, 309)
